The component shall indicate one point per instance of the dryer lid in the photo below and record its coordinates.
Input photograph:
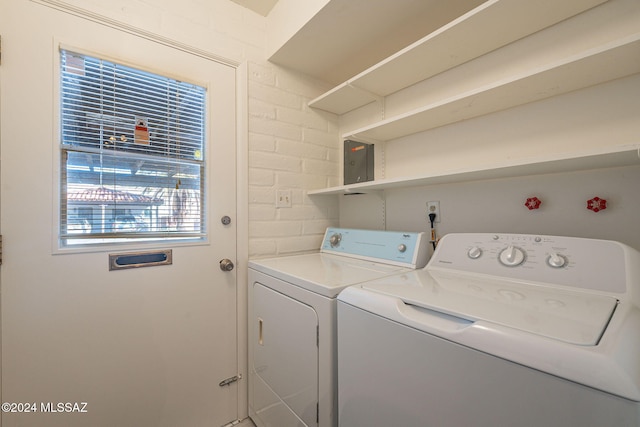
(570, 316)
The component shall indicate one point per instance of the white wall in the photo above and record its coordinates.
(291, 148)
(498, 205)
(589, 119)
(215, 26)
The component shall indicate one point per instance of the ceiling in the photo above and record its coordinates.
(262, 7)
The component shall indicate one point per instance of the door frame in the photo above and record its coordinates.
(242, 234)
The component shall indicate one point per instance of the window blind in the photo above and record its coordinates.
(132, 152)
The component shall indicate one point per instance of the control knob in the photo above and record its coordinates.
(511, 256)
(556, 260)
(402, 247)
(335, 239)
(474, 252)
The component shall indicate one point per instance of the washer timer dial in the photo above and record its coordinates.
(511, 256)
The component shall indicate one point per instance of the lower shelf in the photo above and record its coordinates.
(627, 155)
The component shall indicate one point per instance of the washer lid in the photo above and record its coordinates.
(324, 274)
(565, 315)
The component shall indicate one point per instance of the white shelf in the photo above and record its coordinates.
(471, 35)
(626, 155)
(344, 37)
(491, 25)
(588, 68)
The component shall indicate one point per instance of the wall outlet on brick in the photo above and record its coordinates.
(283, 198)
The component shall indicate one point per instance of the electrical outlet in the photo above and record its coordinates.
(434, 207)
(283, 198)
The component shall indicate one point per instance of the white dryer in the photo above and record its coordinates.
(292, 315)
(497, 330)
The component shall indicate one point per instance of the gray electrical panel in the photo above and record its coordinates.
(358, 162)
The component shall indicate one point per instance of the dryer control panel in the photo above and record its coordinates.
(558, 260)
(407, 249)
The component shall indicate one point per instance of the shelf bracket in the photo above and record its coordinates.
(355, 192)
(378, 98)
(359, 138)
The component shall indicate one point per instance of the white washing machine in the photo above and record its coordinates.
(497, 330)
(292, 314)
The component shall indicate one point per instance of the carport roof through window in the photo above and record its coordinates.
(132, 152)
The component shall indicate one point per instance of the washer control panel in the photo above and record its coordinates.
(408, 249)
(570, 261)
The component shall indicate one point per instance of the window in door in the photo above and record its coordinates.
(132, 153)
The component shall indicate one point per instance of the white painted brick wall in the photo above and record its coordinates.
(291, 147)
(216, 26)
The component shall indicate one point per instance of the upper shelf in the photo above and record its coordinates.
(626, 155)
(588, 68)
(471, 35)
(345, 37)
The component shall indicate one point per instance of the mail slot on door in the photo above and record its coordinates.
(121, 261)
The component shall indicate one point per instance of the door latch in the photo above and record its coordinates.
(228, 381)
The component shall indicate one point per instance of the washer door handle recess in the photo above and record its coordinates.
(226, 264)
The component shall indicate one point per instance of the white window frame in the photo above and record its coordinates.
(128, 239)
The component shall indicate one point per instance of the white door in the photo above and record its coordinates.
(137, 347)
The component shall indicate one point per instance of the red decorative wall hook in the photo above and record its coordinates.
(596, 204)
(533, 203)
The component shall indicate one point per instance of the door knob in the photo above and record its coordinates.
(226, 265)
